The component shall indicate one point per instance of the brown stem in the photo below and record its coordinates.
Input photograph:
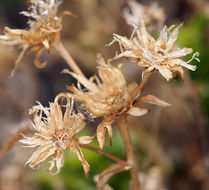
(138, 90)
(13, 139)
(152, 147)
(131, 159)
(101, 152)
(68, 58)
(104, 177)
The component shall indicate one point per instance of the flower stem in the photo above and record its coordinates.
(138, 90)
(13, 139)
(131, 159)
(101, 152)
(68, 58)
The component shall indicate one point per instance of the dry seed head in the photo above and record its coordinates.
(44, 30)
(109, 96)
(56, 133)
(153, 15)
(161, 54)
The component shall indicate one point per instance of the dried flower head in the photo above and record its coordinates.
(55, 134)
(44, 30)
(109, 97)
(151, 54)
(153, 15)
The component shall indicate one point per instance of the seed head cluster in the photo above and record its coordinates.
(153, 15)
(107, 96)
(44, 30)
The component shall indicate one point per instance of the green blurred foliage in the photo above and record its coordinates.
(195, 34)
(72, 176)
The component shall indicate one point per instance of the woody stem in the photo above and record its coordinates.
(68, 58)
(101, 152)
(131, 159)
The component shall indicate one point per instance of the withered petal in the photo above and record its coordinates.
(135, 111)
(85, 139)
(101, 133)
(83, 161)
(37, 63)
(40, 155)
(151, 100)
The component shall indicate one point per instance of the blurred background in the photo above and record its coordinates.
(172, 145)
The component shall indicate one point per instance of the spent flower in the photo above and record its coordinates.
(153, 15)
(56, 133)
(43, 32)
(109, 97)
(161, 54)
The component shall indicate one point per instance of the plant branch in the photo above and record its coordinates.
(138, 90)
(68, 58)
(101, 152)
(13, 139)
(131, 159)
(104, 177)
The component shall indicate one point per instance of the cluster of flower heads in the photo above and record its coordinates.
(44, 30)
(107, 95)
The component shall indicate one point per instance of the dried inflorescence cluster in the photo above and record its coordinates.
(107, 95)
(153, 15)
(44, 30)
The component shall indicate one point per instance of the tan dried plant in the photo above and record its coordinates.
(110, 96)
(43, 33)
(56, 133)
(107, 95)
(155, 55)
(153, 15)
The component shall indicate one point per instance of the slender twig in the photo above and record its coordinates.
(101, 152)
(68, 58)
(154, 134)
(138, 90)
(111, 170)
(144, 139)
(13, 139)
(131, 159)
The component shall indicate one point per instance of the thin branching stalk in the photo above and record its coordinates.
(138, 90)
(13, 139)
(68, 58)
(111, 170)
(154, 140)
(131, 159)
(101, 152)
